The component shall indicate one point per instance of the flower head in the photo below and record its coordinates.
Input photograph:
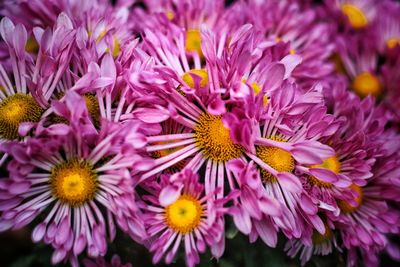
(180, 212)
(71, 173)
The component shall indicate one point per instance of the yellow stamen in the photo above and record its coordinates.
(199, 72)
(214, 140)
(32, 46)
(184, 215)
(193, 42)
(393, 42)
(170, 15)
(74, 182)
(278, 159)
(347, 207)
(292, 51)
(101, 36)
(355, 16)
(116, 47)
(366, 84)
(93, 108)
(332, 164)
(16, 109)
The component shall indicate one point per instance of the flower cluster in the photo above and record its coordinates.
(166, 121)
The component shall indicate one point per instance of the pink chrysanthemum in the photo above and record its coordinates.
(101, 27)
(77, 177)
(359, 62)
(25, 96)
(286, 21)
(355, 14)
(285, 143)
(195, 101)
(387, 27)
(180, 212)
(356, 144)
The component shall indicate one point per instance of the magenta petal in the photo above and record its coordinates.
(290, 182)
(107, 67)
(307, 205)
(63, 231)
(216, 107)
(317, 223)
(5, 225)
(290, 62)
(20, 38)
(242, 221)
(7, 29)
(275, 73)
(218, 248)
(38, 232)
(19, 188)
(24, 128)
(236, 165)
(151, 115)
(324, 175)
(59, 129)
(169, 194)
(305, 157)
(58, 256)
(270, 206)
(267, 232)
(250, 203)
(363, 235)
(79, 245)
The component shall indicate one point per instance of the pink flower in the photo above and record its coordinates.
(67, 172)
(180, 212)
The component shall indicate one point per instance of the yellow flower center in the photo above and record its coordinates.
(214, 139)
(14, 110)
(345, 206)
(184, 215)
(277, 158)
(193, 42)
(74, 182)
(366, 84)
(332, 164)
(393, 42)
(199, 72)
(355, 16)
(318, 238)
(93, 108)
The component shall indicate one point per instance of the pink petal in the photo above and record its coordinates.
(267, 232)
(270, 206)
(242, 221)
(276, 75)
(151, 115)
(290, 62)
(38, 232)
(307, 205)
(290, 182)
(324, 175)
(169, 194)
